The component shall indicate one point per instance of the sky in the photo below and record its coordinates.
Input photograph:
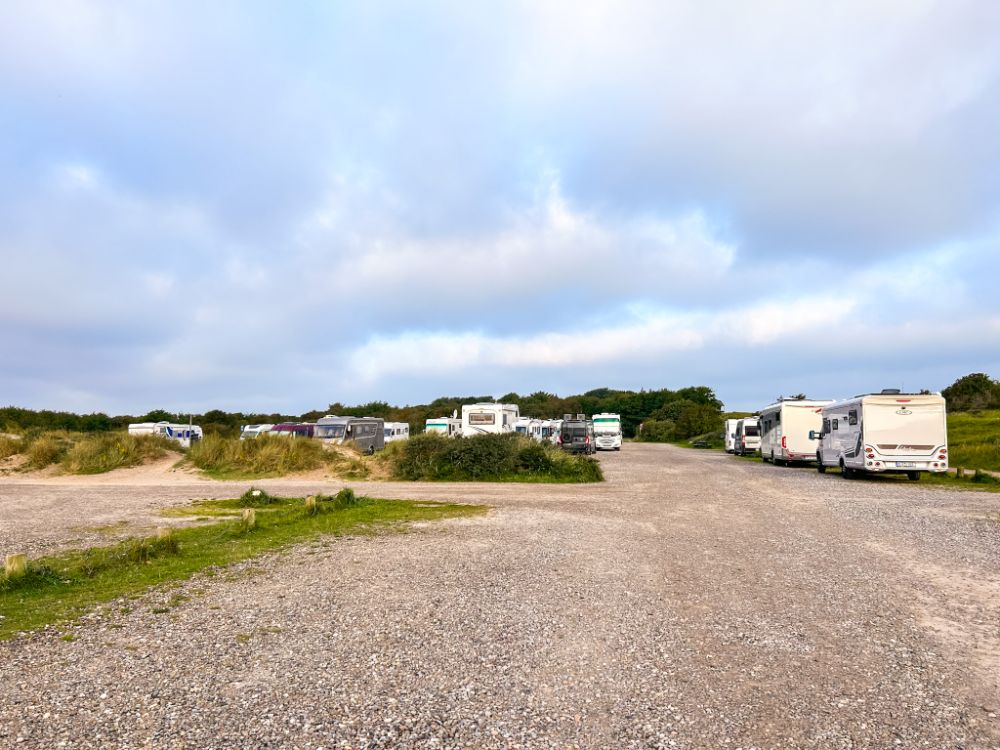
(261, 206)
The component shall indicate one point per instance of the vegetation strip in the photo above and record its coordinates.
(60, 587)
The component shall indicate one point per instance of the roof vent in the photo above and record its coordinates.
(891, 391)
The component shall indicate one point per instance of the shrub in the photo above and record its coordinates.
(45, 450)
(263, 456)
(255, 498)
(99, 453)
(657, 432)
(10, 446)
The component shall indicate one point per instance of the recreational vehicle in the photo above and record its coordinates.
(746, 436)
(885, 433)
(293, 430)
(577, 434)
(394, 431)
(529, 427)
(731, 435)
(185, 434)
(479, 419)
(550, 430)
(446, 426)
(608, 432)
(785, 427)
(251, 431)
(365, 433)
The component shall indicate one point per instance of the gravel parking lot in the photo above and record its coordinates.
(693, 600)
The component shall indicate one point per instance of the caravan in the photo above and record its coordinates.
(550, 430)
(444, 426)
(529, 427)
(394, 431)
(366, 433)
(251, 431)
(608, 432)
(785, 427)
(185, 434)
(746, 436)
(731, 435)
(484, 418)
(885, 433)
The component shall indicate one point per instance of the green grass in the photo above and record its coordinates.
(488, 458)
(60, 587)
(974, 440)
(268, 456)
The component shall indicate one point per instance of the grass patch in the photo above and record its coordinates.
(488, 458)
(268, 456)
(60, 587)
(10, 446)
(96, 454)
(974, 440)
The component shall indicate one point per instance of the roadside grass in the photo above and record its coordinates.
(974, 440)
(267, 456)
(61, 587)
(487, 458)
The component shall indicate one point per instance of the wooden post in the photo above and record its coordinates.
(15, 565)
(249, 518)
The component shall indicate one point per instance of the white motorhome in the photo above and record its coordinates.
(251, 431)
(785, 427)
(550, 430)
(746, 438)
(731, 435)
(529, 427)
(185, 434)
(480, 419)
(885, 433)
(446, 426)
(394, 431)
(607, 432)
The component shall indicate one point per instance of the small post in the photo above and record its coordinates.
(249, 518)
(961, 472)
(15, 566)
(311, 506)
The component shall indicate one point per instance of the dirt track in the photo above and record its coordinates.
(692, 601)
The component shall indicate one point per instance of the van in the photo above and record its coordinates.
(577, 435)
(746, 436)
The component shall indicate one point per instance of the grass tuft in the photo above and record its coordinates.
(96, 454)
(268, 456)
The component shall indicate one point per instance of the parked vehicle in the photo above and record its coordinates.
(529, 427)
(731, 435)
(785, 427)
(365, 433)
(746, 437)
(550, 430)
(479, 419)
(293, 430)
(185, 434)
(251, 431)
(608, 432)
(884, 433)
(394, 431)
(577, 434)
(447, 426)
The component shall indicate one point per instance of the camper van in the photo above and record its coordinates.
(479, 419)
(550, 430)
(365, 433)
(577, 434)
(746, 436)
(785, 427)
(446, 426)
(293, 430)
(185, 434)
(529, 427)
(731, 435)
(251, 431)
(394, 431)
(608, 432)
(884, 433)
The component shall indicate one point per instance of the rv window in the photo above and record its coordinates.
(777, 418)
(836, 424)
(750, 430)
(826, 425)
(852, 417)
(483, 418)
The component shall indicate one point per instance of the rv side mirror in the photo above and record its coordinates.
(349, 428)
(813, 435)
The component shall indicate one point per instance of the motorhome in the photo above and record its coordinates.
(446, 426)
(576, 435)
(884, 433)
(394, 431)
(365, 433)
(479, 419)
(731, 435)
(550, 430)
(746, 436)
(529, 427)
(607, 431)
(293, 430)
(784, 430)
(185, 434)
(251, 431)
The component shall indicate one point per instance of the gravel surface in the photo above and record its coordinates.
(692, 601)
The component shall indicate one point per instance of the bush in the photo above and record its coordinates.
(254, 498)
(99, 453)
(263, 456)
(506, 457)
(10, 446)
(45, 450)
(658, 432)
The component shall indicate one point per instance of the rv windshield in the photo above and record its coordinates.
(330, 430)
(607, 426)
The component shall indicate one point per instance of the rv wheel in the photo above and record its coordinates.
(371, 450)
(845, 472)
(819, 465)
(913, 476)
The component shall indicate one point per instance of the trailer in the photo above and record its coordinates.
(607, 431)
(184, 434)
(746, 437)
(529, 427)
(251, 431)
(784, 430)
(445, 426)
(293, 430)
(394, 431)
(367, 434)
(488, 417)
(884, 433)
(731, 435)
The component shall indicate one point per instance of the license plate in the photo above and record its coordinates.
(905, 464)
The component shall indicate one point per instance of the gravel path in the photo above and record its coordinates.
(692, 601)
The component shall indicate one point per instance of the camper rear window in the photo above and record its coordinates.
(482, 418)
(750, 430)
